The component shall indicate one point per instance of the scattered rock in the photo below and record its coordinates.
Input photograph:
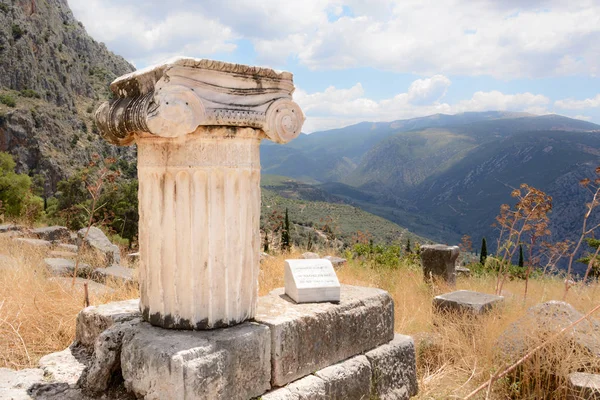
(134, 256)
(94, 288)
(33, 242)
(117, 273)
(337, 262)
(93, 320)
(52, 233)
(462, 271)
(309, 256)
(439, 262)
(10, 228)
(64, 267)
(97, 240)
(67, 247)
(264, 256)
(466, 301)
(64, 366)
(547, 319)
(584, 386)
(62, 254)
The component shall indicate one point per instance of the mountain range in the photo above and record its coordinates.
(444, 176)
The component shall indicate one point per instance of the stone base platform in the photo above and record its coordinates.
(290, 351)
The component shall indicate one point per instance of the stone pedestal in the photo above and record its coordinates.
(291, 351)
(439, 262)
(466, 301)
(198, 126)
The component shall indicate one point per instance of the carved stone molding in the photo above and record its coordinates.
(175, 98)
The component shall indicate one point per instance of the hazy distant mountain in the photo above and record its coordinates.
(446, 175)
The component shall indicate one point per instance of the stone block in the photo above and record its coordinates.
(33, 242)
(348, 380)
(64, 366)
(14, 384)
(439, 262)
(116, 273)
(466, 301)
(308, 337)
(583, 386)
(462, 271)
(10, 228)
(62, 254)
(52, 233)
(309, 255)
(98, 241)
(337, 262)
(67, 247)
(93, 320)
(94, 288)
(232, 363)
(64, 267)
(394, 369)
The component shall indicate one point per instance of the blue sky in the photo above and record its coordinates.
(379, 60)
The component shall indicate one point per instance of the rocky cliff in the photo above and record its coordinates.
(52, 77)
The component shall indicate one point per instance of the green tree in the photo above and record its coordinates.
(408, 249)
(119, 209)
(285, 233)
(15, 191)
(521, 260)
(591, 259)
(483, 252)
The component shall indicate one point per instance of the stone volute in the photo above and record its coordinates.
(198, 125)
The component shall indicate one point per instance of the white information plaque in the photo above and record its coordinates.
(311, 281)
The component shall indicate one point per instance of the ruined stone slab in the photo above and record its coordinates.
(115, 273)
(33, 242)
(232, 363)
(64, 267)
(467, 301)
(309, 255)
(10, 228)
(337, 262)
(52, 233)
(583, 386)
(462, 271)
(67, 247)
(98, 241)
(439, 262)
(14, 384)
(394, 369)
(93, 320)
(62, 254)
(309, 337)
(94, 288)
(63, 366)
(350, 379)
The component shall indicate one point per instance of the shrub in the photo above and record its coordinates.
(5, 8)
(8, 100)
(30, 93)
(17, 32)
(15, 191)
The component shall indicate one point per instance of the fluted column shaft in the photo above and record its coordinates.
(199, 204)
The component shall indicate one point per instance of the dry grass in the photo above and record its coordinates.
(37, 317)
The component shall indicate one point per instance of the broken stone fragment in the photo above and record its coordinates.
(439, 262)
(52, 233)
(98, 241)
(93, 320)
(466, 301)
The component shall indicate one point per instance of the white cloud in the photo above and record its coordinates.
(572, 104)
(335, 108)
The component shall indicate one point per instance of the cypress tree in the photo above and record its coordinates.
(521, 261)
(408, 249)
(285, 233)
(266, 243)
(483, 252)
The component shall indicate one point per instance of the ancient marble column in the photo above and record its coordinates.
(198, 126)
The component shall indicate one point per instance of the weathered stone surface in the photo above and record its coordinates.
(544, 320)
(394, 369)
(462, 271)
(232, 363)
(62, 254)
(337, 262)
(14, 384)
(308, 337)
(97, 240)
(33, 242)
(467, 301)
(94, 288)
(308, 255)
(64, 267)
(52, 233)
(64, 366)
(9, 228)
(93, 320)
(584, 386)
(439, 262)
(350, 379)
(106, 358)
(67, 247)
(115, 273)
